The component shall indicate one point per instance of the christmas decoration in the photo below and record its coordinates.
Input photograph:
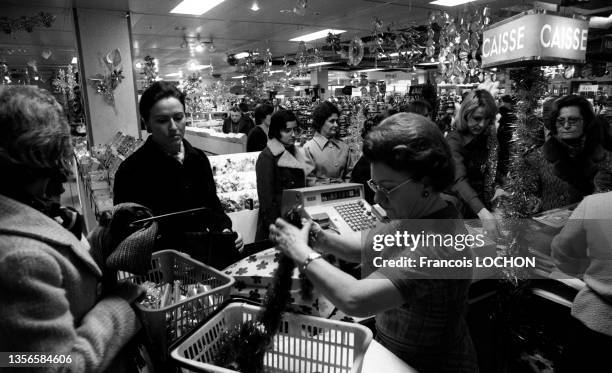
(27, 24)
(4, 73)
(149, 70)
(355, 54)
(243, 348)
(105, 84)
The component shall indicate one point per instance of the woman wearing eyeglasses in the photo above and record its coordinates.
(325, 154)
(473, 144)
(572, 163)
(281, 165)
(420, 309)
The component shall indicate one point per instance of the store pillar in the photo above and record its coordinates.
(319, 77)
(99, 33)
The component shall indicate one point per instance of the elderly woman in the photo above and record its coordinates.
(281, 165)
(419, 310)
(573, 162)
(327, 156)
(49, 283)
(471, 148)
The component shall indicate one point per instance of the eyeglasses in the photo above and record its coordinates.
(296, 131)
(373, 184)
(572, 121)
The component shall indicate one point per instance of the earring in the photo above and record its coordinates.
(425, 193)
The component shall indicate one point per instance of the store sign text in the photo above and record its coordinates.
(535, 37)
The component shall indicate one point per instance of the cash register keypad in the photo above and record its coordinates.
(356, 216)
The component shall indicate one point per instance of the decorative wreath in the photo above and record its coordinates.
(355, 52)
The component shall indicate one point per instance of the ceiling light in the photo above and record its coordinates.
(317, 35)
(199, 48)
(451, 2)
(239, 77)
(241, 55)
(320, 64)
(138, 65)
(74, 60)
(179, 74)
(195, 7)
(194, 66)
(368, 70)
(255, 6)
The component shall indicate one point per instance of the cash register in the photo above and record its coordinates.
(337, 207)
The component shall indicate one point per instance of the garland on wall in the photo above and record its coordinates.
(25, 23)
(105, 84)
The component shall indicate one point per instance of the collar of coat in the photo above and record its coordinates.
(22, 220)
(286, 158)
(152, 147)
(321, 140)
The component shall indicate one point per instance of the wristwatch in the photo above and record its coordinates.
(312, 256)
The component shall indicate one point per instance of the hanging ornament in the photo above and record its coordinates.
(25, 23)
(300, 7)
(355, 52)
(45, 54)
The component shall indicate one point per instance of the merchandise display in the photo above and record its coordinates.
(236, 182)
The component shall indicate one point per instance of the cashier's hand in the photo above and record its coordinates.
(291, 240)
(238, 243)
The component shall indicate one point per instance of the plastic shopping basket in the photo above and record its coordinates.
(165, 325)
(304, 344)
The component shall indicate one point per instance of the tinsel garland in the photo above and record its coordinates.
(27, 24)
(490, 166)
(530, 84)
(243, 347)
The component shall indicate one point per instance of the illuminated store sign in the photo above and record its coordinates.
(540, 37)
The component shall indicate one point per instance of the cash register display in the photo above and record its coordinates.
(339, 194)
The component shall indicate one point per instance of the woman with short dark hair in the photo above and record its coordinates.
(281, 165)
(258, 136)
(52, 301)
(167, 174)
(419, 309)
(327, 156)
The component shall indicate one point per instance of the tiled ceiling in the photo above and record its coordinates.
(231, 26)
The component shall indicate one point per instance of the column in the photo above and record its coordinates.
(100, 32)
(319, 76)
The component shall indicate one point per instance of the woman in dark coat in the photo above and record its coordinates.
(258, 136)
(573, 162)
(281, 165)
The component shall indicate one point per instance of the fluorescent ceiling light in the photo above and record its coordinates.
(320, 64)
(451, 2)
(74, 60)
(195, 66)
(180, 74)
(239, 77)
(241, 55)
(368, 70)
(255, 6)
(195, 7)
(317, 35)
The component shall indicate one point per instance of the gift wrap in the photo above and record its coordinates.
(254, 275)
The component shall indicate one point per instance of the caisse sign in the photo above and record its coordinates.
(541, 37)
